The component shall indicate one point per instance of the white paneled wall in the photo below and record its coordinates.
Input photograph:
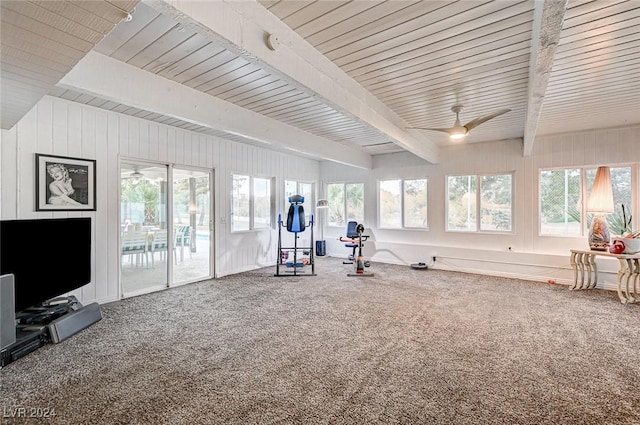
(59, 127)
(531, 256)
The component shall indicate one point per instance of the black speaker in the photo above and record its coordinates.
(73, 322)
(7, 311)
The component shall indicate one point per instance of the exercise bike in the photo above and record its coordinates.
(358, 260)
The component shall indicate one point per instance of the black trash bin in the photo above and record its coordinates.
(321, 248)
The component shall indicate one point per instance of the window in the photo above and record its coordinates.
(292, 187)
(495, 202)
(241, 203)
(561, 202)
(261, 203)
(461, 203)
(483, 202)
(621, 183)
(346, 203)
(251, 203)
(403, 203)
(354, 193)
(562, 210)
(390, 204)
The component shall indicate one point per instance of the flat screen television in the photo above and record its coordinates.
(48, 257)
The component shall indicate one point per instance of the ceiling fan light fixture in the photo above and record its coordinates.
(457, 133)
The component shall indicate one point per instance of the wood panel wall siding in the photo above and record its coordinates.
(588, 148)
(62, 127)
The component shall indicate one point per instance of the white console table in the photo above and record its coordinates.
(585, 272)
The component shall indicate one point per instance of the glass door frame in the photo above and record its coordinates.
(155, 287)
(210, 172)
(169, 218)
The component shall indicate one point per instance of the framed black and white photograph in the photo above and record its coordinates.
(65, 184)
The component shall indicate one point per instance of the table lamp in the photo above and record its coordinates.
(600, 203)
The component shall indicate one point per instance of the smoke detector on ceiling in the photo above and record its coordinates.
(273, 42)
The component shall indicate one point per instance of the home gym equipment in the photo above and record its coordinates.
(352, 234)
(295, 224)
(356, 243)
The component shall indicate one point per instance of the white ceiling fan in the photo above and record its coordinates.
(134, 175)
(459, 131)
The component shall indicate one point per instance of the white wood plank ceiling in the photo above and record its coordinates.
(413, 60)
(158, 44)
(42, 41)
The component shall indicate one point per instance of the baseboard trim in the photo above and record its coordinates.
(606, 285)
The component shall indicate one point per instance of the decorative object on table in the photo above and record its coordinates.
(626, 223)
(629, 241)
(321, 244)
(629, 244)
(65, 184)
(600, 203)
(617, 246)
(632, 245)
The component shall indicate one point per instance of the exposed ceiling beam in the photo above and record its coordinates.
(111, 79)
(547, 25)
(243, 27)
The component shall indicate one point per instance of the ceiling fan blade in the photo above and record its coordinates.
(444, 130)
(134, 175)
(474, 123)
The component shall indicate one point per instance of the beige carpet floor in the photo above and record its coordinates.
(403, 347)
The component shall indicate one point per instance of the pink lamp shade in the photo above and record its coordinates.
(601, 197)
(600, 202)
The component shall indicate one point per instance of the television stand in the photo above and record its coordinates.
(53, 322)
(27, 341)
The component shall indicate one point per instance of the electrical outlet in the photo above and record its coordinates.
(434, 258)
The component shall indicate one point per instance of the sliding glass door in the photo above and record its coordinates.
(166, 230)
(192, 225)
(144, 233)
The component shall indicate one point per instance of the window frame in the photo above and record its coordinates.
(252, 204)
(403, 225)
(270, 218)
(299, 191)
(584, 193)
(345, 213)
(478, 206)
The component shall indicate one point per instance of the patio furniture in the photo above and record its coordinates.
(134, 243)
(184, 237)
(159, 242)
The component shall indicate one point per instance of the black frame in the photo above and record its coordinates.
(83, 182)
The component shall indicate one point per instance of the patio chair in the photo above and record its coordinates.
(184, 237)
(135, 244)
(159, 242)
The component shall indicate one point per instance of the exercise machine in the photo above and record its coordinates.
(295, 224)
(357, 243)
